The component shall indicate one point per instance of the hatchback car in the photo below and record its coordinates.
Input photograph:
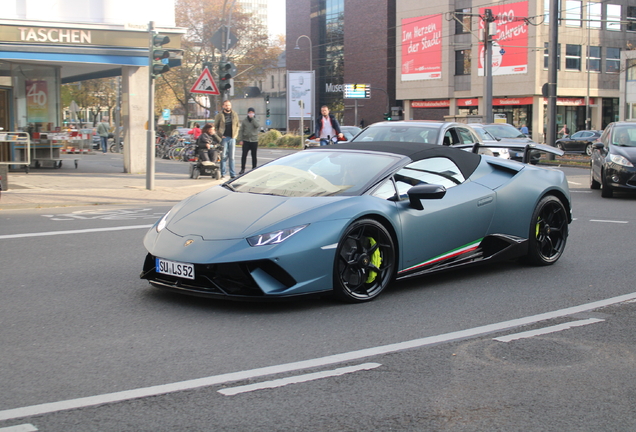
(579, 142)
(613, 159)
(419, 131)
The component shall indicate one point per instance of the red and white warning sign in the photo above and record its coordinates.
(205, 84)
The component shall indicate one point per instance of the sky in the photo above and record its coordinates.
(276, 13)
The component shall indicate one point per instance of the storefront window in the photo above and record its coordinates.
(37, 98)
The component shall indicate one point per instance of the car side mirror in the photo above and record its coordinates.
(597, 145)
(425, 191)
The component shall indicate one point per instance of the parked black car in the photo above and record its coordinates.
(613, 159)
(579, 142)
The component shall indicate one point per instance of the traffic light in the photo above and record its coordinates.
(226, 72)
(267, 112)
(387, 116)
(160, 57)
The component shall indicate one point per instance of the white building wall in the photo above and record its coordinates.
(119, 12)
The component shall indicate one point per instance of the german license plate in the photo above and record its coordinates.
(173, 268)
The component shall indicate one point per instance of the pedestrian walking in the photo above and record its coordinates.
(227, 128)
(565, 130)
(327, 127)
(103, 130)
(248, 138)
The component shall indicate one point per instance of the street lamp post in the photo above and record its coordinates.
(311, 68)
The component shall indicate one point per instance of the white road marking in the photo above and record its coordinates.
(303, 364)
(19, 428)
(547, 330)
(609, 221)
(297, 379)
(81, 231)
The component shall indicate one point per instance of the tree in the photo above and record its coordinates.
(202, 18)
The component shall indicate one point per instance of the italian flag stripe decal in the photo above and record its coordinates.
(451, 254)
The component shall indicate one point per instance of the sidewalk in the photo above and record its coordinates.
(99, 179)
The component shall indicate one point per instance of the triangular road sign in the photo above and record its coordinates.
(205, 84)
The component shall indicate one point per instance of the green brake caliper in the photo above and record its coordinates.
(538, 228)
(376, 261)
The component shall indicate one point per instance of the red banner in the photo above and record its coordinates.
(468, 102)
(422, 48)
(512, 101)
(445, 103)
(510, 41)
(571, 101)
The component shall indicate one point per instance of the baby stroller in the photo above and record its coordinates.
(206, 167)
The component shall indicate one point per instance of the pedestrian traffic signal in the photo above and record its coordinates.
(160, 57)
(226, 72)
(387, 116)
(267, 112)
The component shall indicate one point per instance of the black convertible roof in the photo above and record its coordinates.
(466, 161)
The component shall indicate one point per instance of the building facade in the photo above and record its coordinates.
(428, 58)
(591, 36)
(44, 45)
(345, 42)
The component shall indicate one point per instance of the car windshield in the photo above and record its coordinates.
(624, 136)
(315, 173)
(504, 131)
(484, 134)
(399, 133)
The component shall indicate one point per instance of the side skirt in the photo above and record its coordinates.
(496, 247)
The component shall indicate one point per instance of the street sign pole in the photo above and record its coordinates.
(150, 145)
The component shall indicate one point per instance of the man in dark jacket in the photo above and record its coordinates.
(327, 127)
(248, 138)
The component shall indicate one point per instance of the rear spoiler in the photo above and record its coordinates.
(527, 148)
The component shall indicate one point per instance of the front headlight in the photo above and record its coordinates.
(620, 160)
(162, 222)
(274, 237)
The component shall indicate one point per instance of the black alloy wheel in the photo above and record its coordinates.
(365, 262)
(548, 231)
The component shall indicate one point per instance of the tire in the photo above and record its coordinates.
(559, 146)
(365, 262)
(593, 183)
(191, 170)
(548, 232)
(588, 149)
(606, 190)
(196, 173)
(217, 174)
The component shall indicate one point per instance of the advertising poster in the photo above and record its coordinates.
(37, 96)
(421, 41)
(300, 94)
(510, 42)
